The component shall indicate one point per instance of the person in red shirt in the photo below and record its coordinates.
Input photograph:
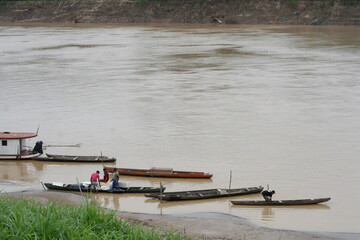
(95, 180)
(106, 176)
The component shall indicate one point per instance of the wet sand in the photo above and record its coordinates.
(202, 225)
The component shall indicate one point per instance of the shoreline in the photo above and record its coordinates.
(207, 225)
(162, 25)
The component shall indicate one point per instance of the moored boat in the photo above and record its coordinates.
(160, 172)
(281, 202)
(13, 146)
(85, 187)
(73, 158)
(204, 194)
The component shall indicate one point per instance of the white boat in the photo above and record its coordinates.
(13, 146)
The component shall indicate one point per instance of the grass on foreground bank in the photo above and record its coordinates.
(28, 219)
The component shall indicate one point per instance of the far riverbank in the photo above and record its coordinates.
(294, 12)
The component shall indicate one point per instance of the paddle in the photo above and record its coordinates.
(64, 145)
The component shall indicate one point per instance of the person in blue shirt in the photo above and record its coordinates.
(115, 178)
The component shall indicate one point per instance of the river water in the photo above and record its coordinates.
(273, 105)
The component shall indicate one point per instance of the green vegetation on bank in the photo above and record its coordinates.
(28, 219)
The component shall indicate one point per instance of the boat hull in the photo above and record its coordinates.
(70, 158)
(158, 172)
(281, 202)
(86, 188)
(19, 157)
(204, 194)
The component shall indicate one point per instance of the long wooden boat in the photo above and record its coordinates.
(281, 202)
(160, 172)
(85, 187)
(70, 158)
(204, 194)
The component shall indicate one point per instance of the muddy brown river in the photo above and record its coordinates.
(275, 105)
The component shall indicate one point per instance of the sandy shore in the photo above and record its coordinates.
(202, 225)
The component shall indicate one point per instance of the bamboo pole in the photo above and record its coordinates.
(161, 187)
(63, 145)
(230, 181)
(43, 186)
(102, 161)
(77, 180)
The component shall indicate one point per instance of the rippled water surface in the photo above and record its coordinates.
(275, 105)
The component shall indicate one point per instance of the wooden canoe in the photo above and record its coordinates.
(70, 158)
(204, 194)
(160, 172)
(281, 202)
(85, 187)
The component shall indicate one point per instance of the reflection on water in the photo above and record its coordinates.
(281, 214)
(275, 105)
(109, 201)
(74, 46)
(268, 213)
(17, 170)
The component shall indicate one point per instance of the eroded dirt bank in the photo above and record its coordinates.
(304, 12)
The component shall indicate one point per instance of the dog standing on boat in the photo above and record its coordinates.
(267, 195)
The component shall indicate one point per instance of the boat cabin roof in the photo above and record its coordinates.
(16, 135)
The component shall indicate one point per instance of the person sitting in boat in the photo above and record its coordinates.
(106, 176)
(38, 147)
(267, 195)
(115, 178)
(95, 180)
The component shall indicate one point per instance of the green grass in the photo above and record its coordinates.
(28, 219)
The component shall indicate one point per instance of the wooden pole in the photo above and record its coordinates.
(77, 180)
(63, 145)
(43, 186)
(230, 182)
(230, 179)
(102, 161)
(161, 192)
